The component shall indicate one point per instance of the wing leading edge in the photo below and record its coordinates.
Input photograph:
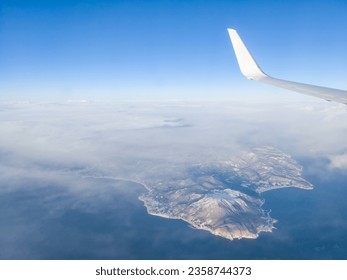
(252, 71)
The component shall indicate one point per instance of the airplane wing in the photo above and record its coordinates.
(252, 71)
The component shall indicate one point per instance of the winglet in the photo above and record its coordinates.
(252, 71)
(247, 64)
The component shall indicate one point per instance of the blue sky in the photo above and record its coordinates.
(57, 50)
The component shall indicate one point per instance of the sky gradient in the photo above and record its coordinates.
(58, 50)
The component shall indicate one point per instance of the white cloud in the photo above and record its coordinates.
(339, 161)
(133, 138)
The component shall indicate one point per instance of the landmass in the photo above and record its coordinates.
(224, 197)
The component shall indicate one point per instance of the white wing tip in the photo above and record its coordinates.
(247, 64)
(231, 31)
(252, 71)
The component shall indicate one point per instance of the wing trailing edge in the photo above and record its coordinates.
(251, 70)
